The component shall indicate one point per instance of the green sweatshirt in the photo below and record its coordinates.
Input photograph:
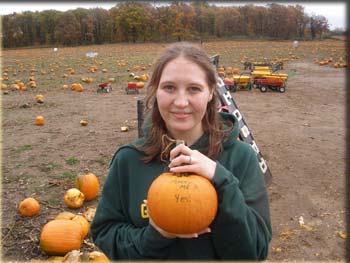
(241, 229)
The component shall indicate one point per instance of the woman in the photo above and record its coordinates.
(182, 103)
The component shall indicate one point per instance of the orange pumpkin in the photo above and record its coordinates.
(85, 226)
(58, 237)
(39, 120)
(81, 220)
(74, 198)
(65, 215)
(140, 84)
(182, 204)
(88, 184)
(83, 123)
(29, 207)
(39, 98)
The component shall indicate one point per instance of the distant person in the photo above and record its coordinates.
(182, 102)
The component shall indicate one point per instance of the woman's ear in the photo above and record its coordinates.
(210, 96)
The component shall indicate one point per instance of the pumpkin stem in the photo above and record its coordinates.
(86, 170)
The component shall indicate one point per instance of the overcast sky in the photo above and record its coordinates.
(335, 12)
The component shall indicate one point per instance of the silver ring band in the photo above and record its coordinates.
(190, 160)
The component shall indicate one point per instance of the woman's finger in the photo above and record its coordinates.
(179, 149)
(181, 160)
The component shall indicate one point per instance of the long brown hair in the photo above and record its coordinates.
(212, 124)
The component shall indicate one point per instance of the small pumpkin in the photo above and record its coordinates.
(81, 220)
(74, 198)
(83, 123)
(124, 128)
(182, 204)
(85, 225)
(39, 98)
(88, 184)
(39, 120)
(65, 215)
(61, 236)
(29, 207)
(140, 85)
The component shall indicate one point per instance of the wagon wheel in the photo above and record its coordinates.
(263, 88)
(99, 90)
(282, 89)
(127, 90)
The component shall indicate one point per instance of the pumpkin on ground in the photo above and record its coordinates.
(85, 225)
(29, 207)
(81, 220)
(61, 236)
(39, 98)
(83, 122)
(74, 198)
(88, 184)
(182, 204)
(39, 120)
(65, 215)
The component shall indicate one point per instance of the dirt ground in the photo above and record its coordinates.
(301, 134)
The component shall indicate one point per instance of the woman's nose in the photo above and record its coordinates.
(181, 100)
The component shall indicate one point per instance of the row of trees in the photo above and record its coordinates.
(145, 21)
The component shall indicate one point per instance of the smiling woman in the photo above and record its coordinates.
(182, 102)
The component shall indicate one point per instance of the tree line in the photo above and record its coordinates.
(146, 21)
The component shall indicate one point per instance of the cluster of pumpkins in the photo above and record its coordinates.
(67, 231)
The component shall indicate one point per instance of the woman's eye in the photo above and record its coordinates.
(168, 87)
(195, 89)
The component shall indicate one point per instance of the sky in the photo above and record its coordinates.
(335, 12)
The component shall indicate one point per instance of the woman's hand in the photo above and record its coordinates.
(183, 159)
(172, 235)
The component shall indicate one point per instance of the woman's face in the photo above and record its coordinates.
(182, 96)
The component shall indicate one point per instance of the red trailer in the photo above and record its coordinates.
(132, 87)
(104, 87)
(276, 84)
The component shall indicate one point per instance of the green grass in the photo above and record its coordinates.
(68, 175)
(23, 148)
(48, 167)
(72, 160)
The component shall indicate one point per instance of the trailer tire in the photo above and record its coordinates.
(263, 88)
(282, 89)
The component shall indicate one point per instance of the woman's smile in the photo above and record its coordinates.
(181, 115)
